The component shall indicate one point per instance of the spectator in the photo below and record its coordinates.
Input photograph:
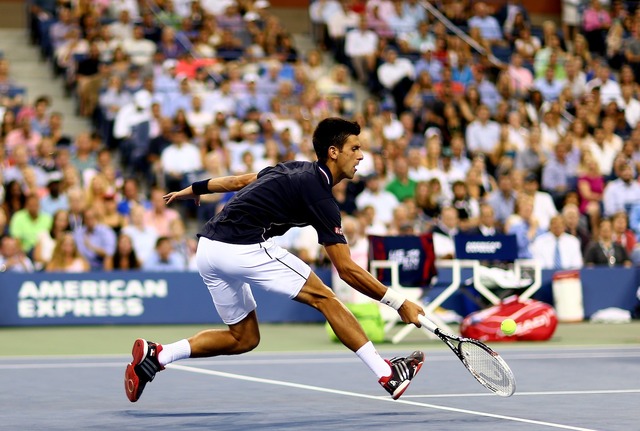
(158, 215)
(604, 251)
(630, 105)
(549, 86)
(524, 226)
(163, 258)
(132, 125)
(621, 194)
(381, 200)
(576, 225)
(487, 24)
(621, 232)
(595, 23)
(139, 49)
(609, 88)
(401, 186)
(26, 224)
(179, 159)
(360, 47)
(483, 134)
(396, 75)
(110, 215)
(197, 118)
(55, 200)
(533, 156)
(558, 173)
(183, 246)
(143, 236)
(543, 207)
(66, 256)
(95, 240)
(557, 249)
(124, 258)
(43, 250)
(12, 258)
(22, 136)
(487, 223)
(503, 200)
(21, 165)
(444, 232)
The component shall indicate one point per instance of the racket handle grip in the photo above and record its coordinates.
(426, 323)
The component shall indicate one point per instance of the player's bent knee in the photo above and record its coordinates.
(248, 343)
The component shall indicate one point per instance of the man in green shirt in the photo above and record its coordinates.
(402, 186)
(26, 224)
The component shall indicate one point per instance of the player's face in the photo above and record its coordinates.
(349, 157)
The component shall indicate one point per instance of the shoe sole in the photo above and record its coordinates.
(403, 387)
(132, 385)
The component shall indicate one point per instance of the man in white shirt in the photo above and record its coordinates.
(609, 89)
(197, 118)
(483, 134)
(250, 132)
(122, 29)
(376, 196)
(396, 75)
(630, 105)
(139, 49)
(178, 159)
(557, 249)
(543, 207)
(360, 45)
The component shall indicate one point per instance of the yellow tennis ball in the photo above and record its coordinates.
(508, 326)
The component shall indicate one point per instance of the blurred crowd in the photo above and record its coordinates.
(513, 128)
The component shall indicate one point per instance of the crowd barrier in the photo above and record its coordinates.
(101, 298)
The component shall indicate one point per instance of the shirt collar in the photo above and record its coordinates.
(325, 173)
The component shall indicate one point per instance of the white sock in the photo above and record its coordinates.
(174, 352)
(370, 356)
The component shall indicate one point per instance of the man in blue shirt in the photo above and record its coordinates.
(164, 258)
(235, 254)
(94, 240)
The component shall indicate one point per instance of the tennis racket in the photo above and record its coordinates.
(483, 363)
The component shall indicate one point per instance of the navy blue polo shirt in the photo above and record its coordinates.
(286, 195)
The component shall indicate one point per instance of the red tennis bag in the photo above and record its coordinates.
(536, 321)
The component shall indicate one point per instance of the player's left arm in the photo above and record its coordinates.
(231, 183)
(364, 282)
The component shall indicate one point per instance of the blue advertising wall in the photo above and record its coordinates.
(175, 298)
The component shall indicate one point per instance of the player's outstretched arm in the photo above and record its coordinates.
(231, 183)
(361, 280)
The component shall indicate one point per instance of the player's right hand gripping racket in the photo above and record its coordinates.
(483, 363)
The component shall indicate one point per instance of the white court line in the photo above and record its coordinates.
(332, 360)
(371, 397)
(524, 394)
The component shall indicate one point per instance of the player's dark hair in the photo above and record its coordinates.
(332, 132)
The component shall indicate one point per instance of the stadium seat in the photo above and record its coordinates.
(407, 265)
(502, 53)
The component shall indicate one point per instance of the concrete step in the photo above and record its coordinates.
(28, 70)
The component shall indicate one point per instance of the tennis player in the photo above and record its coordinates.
(235, 254)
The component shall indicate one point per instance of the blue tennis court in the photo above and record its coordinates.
(558, 388)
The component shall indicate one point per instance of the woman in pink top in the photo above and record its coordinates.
(596, 22)
(590, 188)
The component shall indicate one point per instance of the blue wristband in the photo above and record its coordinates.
(200, 187)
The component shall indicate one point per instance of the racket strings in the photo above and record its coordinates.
(488, 368)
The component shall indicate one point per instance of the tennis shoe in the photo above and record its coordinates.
(142, 369)
(402, 371)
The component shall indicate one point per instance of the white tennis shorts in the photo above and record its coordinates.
(231, 270)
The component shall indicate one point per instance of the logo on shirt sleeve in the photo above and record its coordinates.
(338, 230)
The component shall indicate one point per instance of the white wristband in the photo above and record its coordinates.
(393, 299)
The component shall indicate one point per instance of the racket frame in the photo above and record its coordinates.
(448, 338)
